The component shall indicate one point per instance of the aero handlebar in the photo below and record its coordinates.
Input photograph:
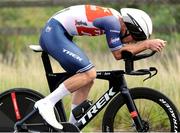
(126, 55)
(129, 59)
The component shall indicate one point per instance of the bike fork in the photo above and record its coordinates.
(140, 126)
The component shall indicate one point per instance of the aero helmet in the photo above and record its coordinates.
(137, 22)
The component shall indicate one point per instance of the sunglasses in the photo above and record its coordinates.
(136, 32)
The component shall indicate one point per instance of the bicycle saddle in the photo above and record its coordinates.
(36, 48)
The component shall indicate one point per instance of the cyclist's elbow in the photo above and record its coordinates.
(117, 55)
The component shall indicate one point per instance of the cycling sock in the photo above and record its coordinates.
(71, 118)
(57, 94)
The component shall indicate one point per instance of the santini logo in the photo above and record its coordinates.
(99, 104)
(75, 56)
(114, 40)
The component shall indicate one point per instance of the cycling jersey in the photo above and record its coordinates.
(92, 20)
(56, 37)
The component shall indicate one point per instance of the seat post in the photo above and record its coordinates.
(49, 72)
(46, 63)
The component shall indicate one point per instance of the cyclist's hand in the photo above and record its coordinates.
(155, 44)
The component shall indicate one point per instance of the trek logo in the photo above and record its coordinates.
(75, 56)
(99, 104)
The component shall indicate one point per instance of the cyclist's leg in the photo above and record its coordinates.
(71, 58)
(81, 94)
(77, 98)
(80, 81)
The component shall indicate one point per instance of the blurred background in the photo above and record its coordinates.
(21, 22)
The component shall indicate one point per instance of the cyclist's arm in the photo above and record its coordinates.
(135, 48)
(111, 26)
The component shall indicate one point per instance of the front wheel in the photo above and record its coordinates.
(157, 112)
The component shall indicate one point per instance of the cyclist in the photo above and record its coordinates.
(128, 30)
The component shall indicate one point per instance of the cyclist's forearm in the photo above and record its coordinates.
(133, 48)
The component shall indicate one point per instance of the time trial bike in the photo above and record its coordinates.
(139, 109)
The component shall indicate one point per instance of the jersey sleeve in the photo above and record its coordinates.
(111, 26)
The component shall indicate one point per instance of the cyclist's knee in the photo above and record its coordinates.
(90, 74)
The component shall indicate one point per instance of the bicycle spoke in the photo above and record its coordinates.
(153, 114)
(152, 117)
(125, 119)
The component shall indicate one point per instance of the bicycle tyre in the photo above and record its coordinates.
(113, 118)
(17, 103)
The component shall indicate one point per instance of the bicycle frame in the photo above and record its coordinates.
(117, 84)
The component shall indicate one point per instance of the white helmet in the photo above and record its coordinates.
(137, 22)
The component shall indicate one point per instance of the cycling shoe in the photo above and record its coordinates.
(46, 110)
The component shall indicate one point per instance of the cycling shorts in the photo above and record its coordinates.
(58, 43)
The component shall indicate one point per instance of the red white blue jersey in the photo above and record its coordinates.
(92, 20)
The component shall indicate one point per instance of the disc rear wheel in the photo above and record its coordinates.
(15, 104)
